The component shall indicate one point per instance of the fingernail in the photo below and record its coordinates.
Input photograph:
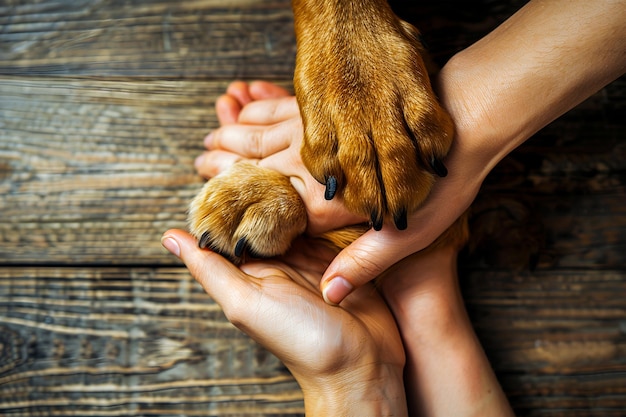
(199, 161)
(171, 245)
(336, 290)
(208, 141)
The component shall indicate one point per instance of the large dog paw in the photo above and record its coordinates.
(374, 131)
(247, 210)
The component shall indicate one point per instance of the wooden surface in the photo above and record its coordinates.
(103, 106)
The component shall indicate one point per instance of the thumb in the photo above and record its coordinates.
(219, 278)
(361, 261)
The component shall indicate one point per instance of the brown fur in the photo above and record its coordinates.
(372, 127)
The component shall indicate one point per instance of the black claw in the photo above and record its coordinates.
(331, 188)
(240, 247)
(204, 240)
(438, 166)
(400, 220)
(377, 221)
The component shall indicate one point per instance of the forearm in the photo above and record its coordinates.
(448, 368)
(377, 391)
(543, 61)
(447, 372)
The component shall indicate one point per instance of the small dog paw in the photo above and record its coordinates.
(247, 211)
(374, 131)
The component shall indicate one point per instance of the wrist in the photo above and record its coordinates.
(369, 391)
(482, 139)
(503, 89)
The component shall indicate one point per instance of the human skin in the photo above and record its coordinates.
(541, 62)
(348, 361)
(499, 92)
(447, 372)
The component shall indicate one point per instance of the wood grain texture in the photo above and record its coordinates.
(95, 171)
(556, 338)
(560, 197)
(120, 341)
(160, 38)
(92, 168)
(103, 107)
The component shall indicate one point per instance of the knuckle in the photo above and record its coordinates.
(254, 144)
(366, 264)
(216, 138)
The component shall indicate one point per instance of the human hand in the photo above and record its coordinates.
(261, 122)
(348, 360)
(443, 353)
(420, 286)
(499, 92)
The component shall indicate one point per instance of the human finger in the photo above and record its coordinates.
(375, 251)
(223, 281)
(240, 91)
(262, 90)
(227, 109)
(250, 141)
(269, 111)
(239, 94)
(362, 261)
(210, 164)
(229, 105)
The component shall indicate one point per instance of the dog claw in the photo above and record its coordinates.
(204, 240)
(331, 188)
(438, 166)
(400, 220)
(377, 221)
(240, 247)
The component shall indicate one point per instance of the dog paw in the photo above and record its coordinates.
(374, 132)
(247, 211)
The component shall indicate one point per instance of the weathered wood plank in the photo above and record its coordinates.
(139, 341)
(514, 230)
(161, 38)
(95, 171)
(148, 340)
(556, 338)
(559, 198)
(101, 165)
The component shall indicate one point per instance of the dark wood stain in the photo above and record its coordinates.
(103, 106)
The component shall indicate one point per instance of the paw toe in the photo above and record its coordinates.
(247, 211)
